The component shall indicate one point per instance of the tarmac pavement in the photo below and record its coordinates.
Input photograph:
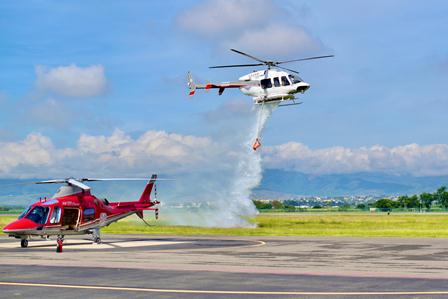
(226, 267)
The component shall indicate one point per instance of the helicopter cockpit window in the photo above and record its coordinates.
(294, 79)
(56, 216)
(38, 214)
(25, 212)
(276, 82)
(266, 83)
(285, 81)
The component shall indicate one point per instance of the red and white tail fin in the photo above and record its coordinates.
(191, 84)
(146, 195)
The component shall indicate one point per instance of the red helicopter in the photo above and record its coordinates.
(73, 210)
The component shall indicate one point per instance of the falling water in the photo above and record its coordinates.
(221, 198)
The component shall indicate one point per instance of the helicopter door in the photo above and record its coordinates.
(56, 215)
(70, 218)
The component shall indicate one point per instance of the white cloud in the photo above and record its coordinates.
(34, 150)
(154, 150)
(219, 17)
(407, 159)
(35, 156)
(258, 27)
(276, 39)
(72, 81)
(120, 154)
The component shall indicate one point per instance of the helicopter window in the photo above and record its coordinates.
(25, 212)
(285, 81)
(38, 214)
(88, 214)
(276, 82)
(266, 83)
(56, 216)
(294, 79)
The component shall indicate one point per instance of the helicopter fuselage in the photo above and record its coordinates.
(273, 86)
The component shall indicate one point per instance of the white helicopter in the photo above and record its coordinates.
(269, 85)
(273, 85)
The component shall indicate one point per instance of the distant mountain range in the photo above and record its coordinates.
(377, 184)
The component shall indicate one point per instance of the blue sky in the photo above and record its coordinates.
(386, 87)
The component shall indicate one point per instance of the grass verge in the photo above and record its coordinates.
(288, 224)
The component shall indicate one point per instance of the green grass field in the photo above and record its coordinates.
(302, 224)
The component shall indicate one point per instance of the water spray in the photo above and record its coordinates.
(219, 195)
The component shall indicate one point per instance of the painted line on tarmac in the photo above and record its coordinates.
(84, 244)
(210, 292)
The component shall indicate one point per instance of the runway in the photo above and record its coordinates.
(142, 266)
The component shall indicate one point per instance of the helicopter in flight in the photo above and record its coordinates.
(273, 85)
(74, 210)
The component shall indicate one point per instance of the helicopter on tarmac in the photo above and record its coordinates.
(273, 85)
(73, 210)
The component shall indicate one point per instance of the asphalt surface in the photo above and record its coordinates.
(144, 266)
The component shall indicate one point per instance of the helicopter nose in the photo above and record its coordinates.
(303, 87)
(20, 225)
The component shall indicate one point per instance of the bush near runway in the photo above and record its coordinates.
(303, 224)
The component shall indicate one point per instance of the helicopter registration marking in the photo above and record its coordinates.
(70, 203)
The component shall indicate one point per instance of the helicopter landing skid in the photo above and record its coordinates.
(291, 104)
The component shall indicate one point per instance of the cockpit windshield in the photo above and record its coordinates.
(28, 208)
(38, 214)
(295, 79)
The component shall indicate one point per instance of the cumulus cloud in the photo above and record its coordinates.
(152, 151)
(261, 27)
(412, 159)
(220, 17)
(71, 80)
(106, 155)
(35, 150)
(120, 154)
(276, 39)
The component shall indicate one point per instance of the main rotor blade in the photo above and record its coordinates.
(235, 65)
(250, 56)
(52, 182)
(120, 179)
(302, 59)
(16, 184)
(280, 67)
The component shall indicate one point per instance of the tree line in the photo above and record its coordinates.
(421, 201)
(424, 200)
